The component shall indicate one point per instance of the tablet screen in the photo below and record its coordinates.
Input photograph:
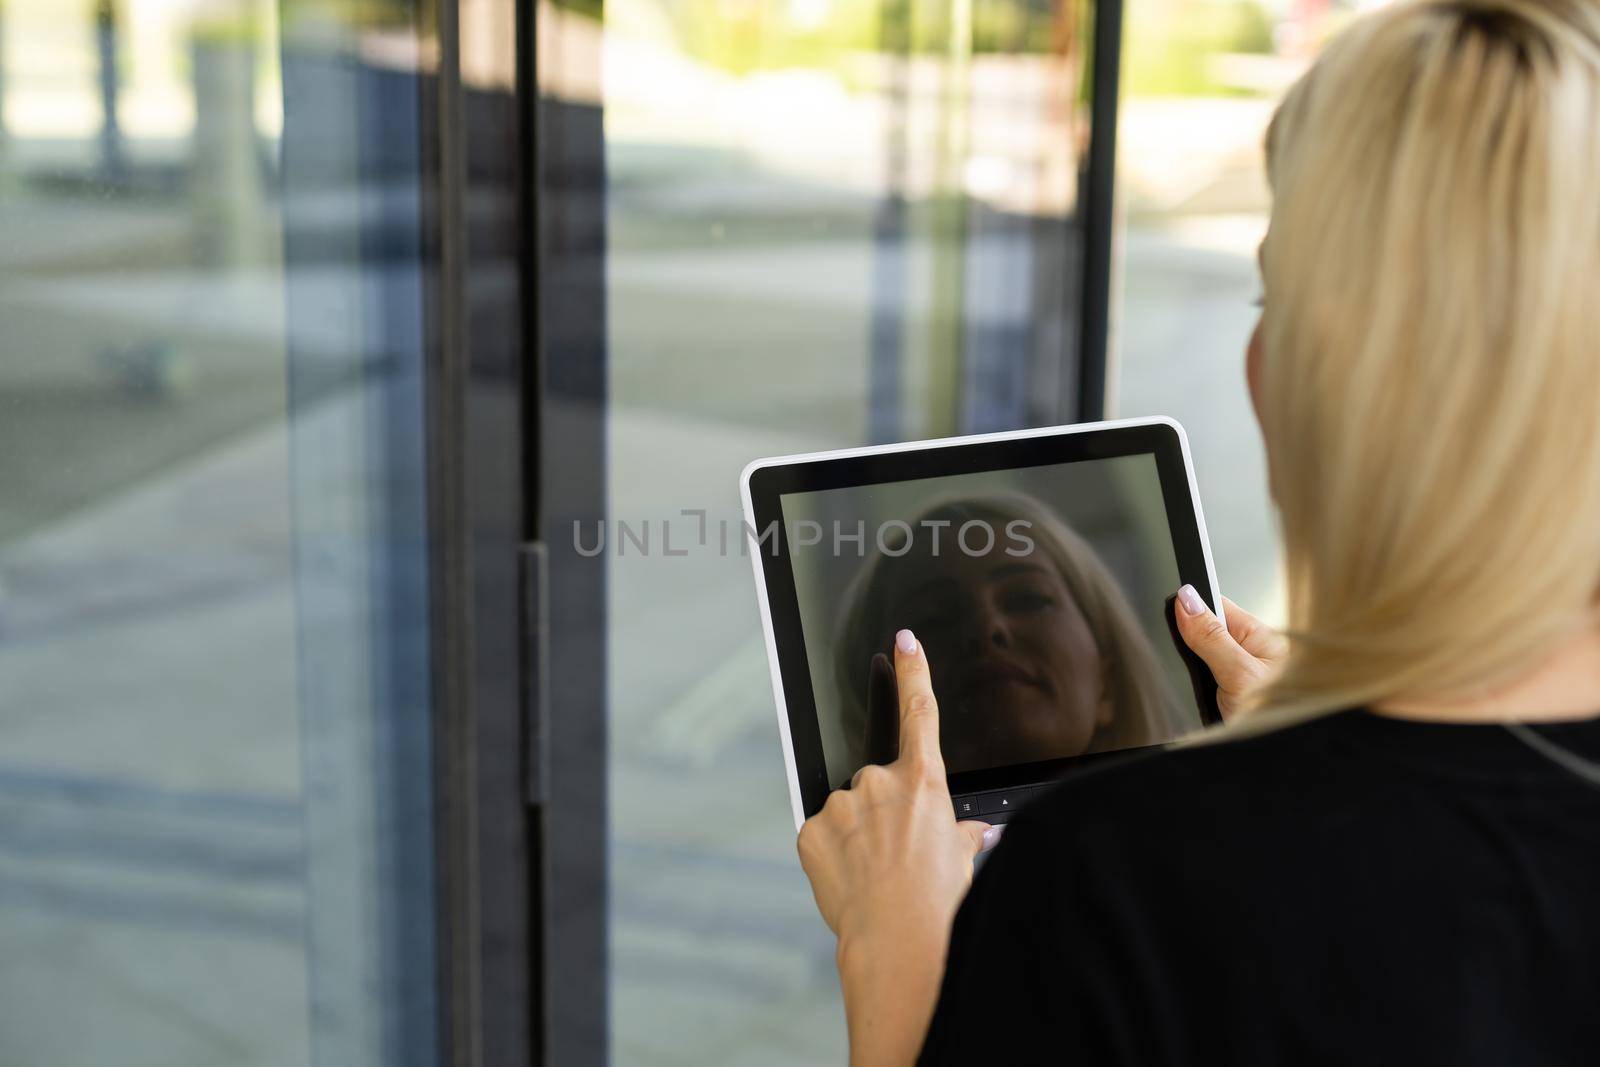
(1039, 594)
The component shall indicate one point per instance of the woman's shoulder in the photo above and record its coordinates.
(1163, 835)
(1226, 780)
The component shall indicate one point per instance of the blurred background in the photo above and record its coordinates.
(824, 224)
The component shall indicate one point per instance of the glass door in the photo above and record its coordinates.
(239, 792)
(765, 226)
(378, 679)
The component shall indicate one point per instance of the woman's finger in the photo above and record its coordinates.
(919, 711)
(1203, 632)
(980, 835)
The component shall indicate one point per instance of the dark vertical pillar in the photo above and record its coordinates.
(1099, 196)
(451, 556)
(567, 404)
(565, 455)
(112, 161)
(885, 400)
(493, 257)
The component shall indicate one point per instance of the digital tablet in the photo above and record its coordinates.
(1036, 567)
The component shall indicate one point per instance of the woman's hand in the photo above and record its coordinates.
(889, 865)
(1243, 656)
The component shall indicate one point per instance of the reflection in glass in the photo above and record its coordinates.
(1035, 651)
(827, 224)
(215, 837)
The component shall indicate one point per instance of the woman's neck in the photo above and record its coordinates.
(1565, 686)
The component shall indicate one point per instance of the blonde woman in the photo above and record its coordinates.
(1034, 649)
(1395, 856)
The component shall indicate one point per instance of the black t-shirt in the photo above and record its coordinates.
(1350, 890)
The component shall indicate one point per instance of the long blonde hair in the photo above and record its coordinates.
(1430, 378)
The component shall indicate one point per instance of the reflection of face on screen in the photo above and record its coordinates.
(1036, 653)
(1014, 662)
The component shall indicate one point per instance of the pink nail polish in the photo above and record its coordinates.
(991, 837)
(905, 641)
(1192, 604)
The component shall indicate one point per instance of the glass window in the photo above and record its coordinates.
(1200, 81)
(828, 224)
(215, 841)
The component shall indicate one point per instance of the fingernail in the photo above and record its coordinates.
(1192, 604)
(991, 837)
(905, 641)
